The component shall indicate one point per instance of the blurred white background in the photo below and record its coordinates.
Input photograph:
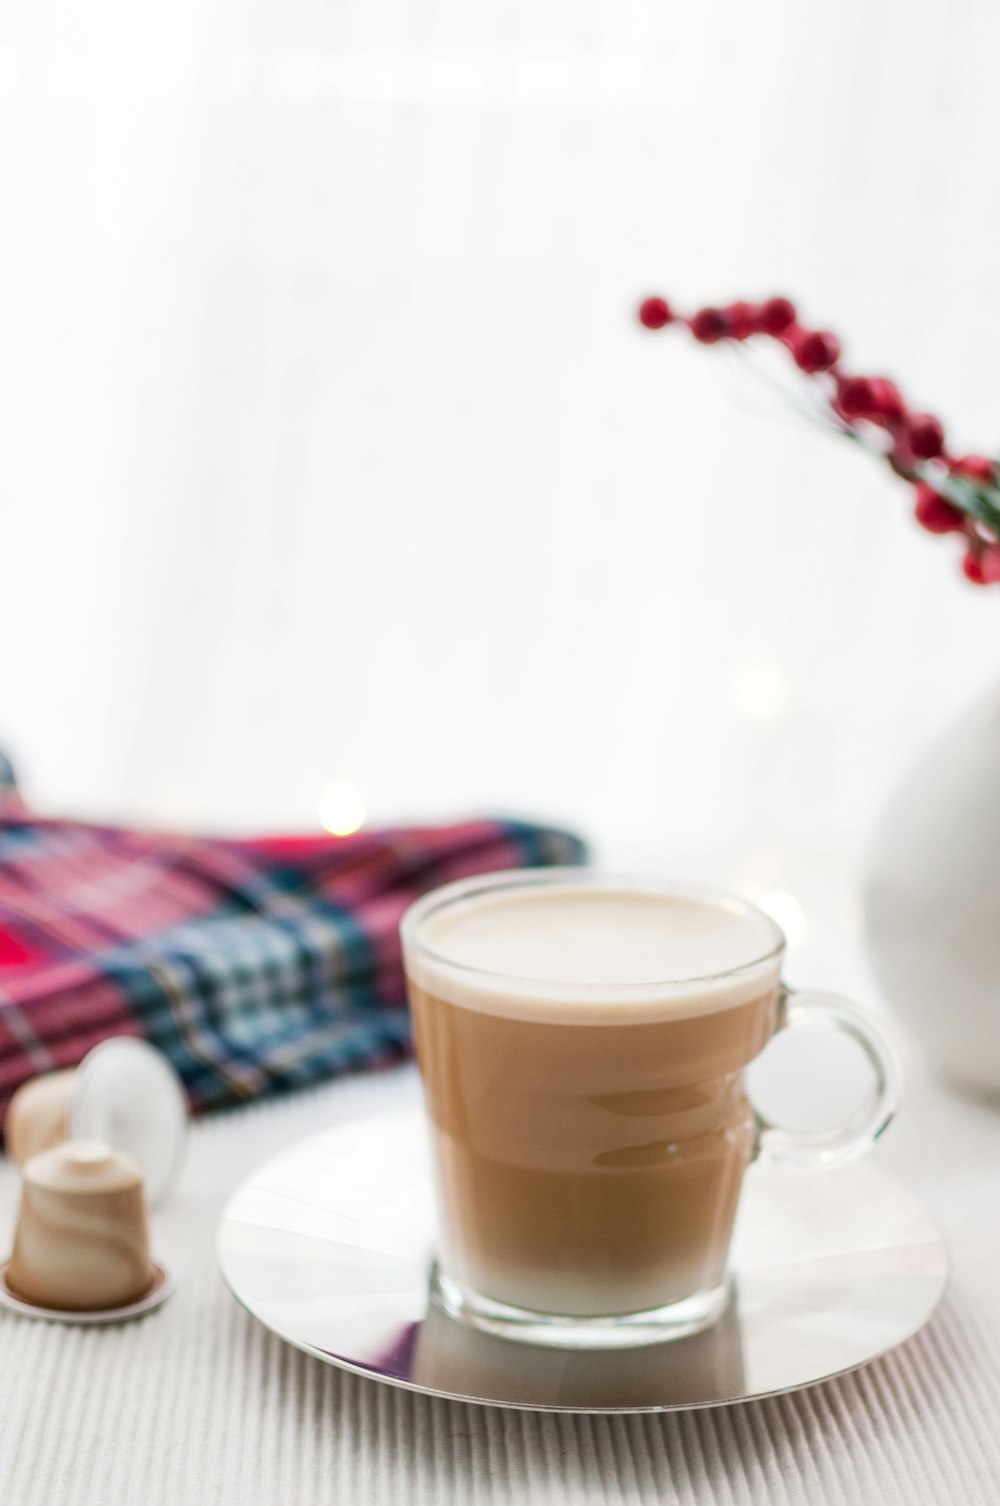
(331, 449)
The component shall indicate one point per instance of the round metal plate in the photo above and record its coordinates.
(329, 1245)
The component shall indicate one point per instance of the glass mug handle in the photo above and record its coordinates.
(845, 1142)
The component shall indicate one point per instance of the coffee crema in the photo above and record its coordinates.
(582, 1050)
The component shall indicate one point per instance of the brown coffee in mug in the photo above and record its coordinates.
(582, 1043)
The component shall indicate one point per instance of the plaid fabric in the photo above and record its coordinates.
(255, 966)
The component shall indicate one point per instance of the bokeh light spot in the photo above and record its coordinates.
(787, 911)
(761, 691)
(341, 808)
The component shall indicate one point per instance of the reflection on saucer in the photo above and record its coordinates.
(450, 1356)
(329, 1246)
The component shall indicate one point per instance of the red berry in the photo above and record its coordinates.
(857, 398)
(989, 564)
(888, 403)
(654, 313)
(742, 320)
(978, 468)
(875, 398)
(935, 513)
(925, 435)
(972, 569)
(709, 325)
(775, 316)
(815, 350)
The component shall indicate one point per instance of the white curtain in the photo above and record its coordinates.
(330, 448)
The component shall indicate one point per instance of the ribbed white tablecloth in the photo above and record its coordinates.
(197, 1404)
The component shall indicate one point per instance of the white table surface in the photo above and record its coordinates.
(199, 1404)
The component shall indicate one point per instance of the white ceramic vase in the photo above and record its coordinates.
(932, 899)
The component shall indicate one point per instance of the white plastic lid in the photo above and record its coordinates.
(127, 1093)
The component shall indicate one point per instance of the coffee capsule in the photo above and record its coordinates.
(82, 1241)
(124, 1092)
(38, 1115)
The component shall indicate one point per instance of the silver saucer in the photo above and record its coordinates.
(159, 1290)
(329, 1246)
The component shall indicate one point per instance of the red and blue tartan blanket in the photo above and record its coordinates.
(255, 966)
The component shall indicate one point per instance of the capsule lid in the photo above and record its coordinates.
(128, 1094)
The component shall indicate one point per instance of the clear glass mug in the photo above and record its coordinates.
(590, 1134)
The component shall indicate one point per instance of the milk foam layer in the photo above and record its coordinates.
(584, 953)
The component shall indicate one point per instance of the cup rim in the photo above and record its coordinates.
(529, 878)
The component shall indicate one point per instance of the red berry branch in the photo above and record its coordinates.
(952, 494)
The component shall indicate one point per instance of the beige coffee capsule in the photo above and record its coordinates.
(82, 1241)
(38, 1115)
